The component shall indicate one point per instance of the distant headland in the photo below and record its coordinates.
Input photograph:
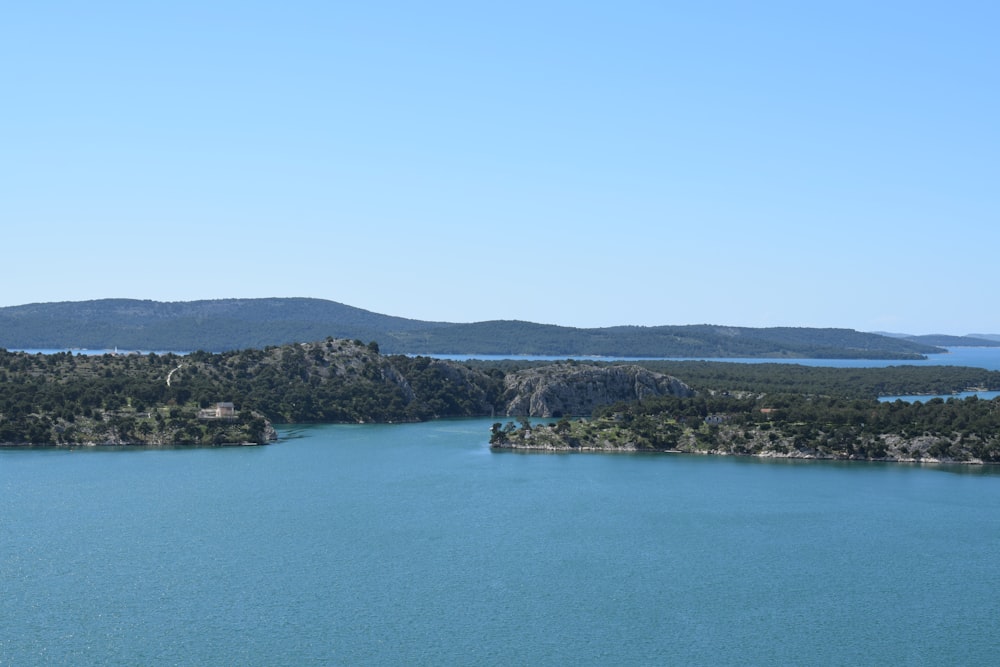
(234, 324)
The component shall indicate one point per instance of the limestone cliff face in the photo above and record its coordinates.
(574, 389)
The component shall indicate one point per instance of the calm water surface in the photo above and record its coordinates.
(414, 544)
(976, 357)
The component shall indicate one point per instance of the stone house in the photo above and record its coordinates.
(223, 410)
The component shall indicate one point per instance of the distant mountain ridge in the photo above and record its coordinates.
(944, 340)
(211, 325)
(231, 324)
(993, 337)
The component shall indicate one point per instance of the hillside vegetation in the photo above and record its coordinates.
(774, 378)
(789, 411)
(161, 399)
(232, 324)
(152, 398)
(777, 425)
(235, 396)
(955, 341)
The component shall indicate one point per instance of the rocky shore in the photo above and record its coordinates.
(121, 429)
(607, 435)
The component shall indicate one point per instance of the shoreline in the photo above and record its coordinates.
(796, 455)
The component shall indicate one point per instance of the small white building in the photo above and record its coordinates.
(223, 410)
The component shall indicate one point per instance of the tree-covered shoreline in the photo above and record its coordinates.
(64, 399)
(777, 425)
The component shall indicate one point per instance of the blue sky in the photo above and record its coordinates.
(575, 163)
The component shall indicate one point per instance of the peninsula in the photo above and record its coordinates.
(776, 426)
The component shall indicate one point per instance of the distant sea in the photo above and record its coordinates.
(976, 357)
(92, 353)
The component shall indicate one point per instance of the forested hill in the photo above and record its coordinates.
(699, 341)
(211, 325)
(231, 397)
(954, 341)
(231, 324)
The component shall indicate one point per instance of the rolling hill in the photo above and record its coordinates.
(231, 324)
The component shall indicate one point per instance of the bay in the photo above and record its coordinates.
(415, 544)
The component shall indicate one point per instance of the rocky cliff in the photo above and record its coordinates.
(575, 389)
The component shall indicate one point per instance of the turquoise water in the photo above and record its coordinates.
(414, 544)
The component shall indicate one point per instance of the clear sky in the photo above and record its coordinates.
(576, 163)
